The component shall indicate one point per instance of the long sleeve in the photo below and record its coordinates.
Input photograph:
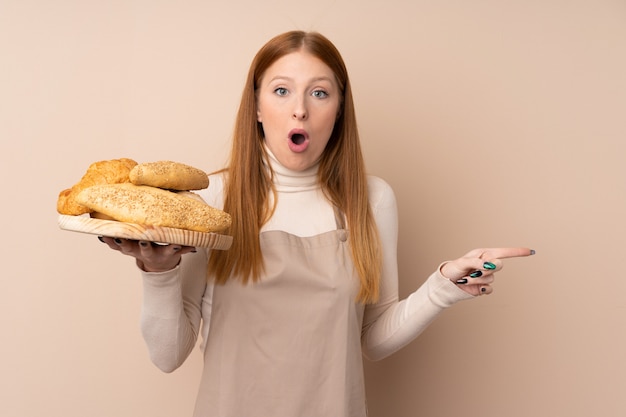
(391, 323)
(172, 310)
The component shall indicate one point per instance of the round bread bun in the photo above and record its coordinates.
(169, 175)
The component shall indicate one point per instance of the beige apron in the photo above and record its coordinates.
(288, 345)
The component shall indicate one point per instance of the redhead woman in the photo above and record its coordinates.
(310, 285)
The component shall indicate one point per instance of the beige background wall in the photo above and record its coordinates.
(497, 123)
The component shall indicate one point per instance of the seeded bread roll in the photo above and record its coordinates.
(169, 175)
(154, 207)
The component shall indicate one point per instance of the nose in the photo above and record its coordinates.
(300, 112)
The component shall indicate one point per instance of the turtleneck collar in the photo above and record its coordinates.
(289, 181)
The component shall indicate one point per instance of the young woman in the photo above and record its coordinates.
(310, 284)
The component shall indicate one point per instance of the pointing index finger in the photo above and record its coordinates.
(501, 253)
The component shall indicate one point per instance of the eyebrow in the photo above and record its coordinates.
(282, 77)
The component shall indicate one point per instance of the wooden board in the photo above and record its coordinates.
(111, 228)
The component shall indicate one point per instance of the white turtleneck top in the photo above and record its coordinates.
(177, 303)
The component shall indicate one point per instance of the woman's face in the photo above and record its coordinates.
(297, 103)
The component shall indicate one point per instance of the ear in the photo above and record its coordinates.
(258, 116)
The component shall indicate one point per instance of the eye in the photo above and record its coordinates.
(281, 91)
(319, 94)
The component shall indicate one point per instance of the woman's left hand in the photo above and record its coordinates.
(474, 272)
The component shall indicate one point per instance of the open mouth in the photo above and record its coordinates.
(298, 138)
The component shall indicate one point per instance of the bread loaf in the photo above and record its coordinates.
(152, 206)
(169, 175)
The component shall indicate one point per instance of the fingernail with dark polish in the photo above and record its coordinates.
(176, 248)
(532, 251)
(475, 274)
(483, 289)
(462, 281)
(143, 244)
(194, 250)
(489, 265)
(118, 241)
(101, 239)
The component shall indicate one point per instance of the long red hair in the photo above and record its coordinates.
(341, 174)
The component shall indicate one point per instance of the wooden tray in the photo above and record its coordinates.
(111, 228)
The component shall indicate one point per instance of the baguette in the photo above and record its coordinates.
(152, 206)
(169, 175)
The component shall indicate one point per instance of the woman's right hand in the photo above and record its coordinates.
(151, 257)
